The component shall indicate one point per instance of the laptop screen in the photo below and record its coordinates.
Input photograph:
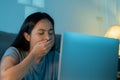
(88, 57)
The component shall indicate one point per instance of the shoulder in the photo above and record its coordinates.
(12, 52)
(12, 49)
(9, 59)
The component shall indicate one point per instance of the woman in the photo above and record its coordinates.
(32, 55)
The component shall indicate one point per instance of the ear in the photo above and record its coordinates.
(27, 36)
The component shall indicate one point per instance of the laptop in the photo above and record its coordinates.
(88, 57)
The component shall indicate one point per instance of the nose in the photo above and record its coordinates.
(47, 36)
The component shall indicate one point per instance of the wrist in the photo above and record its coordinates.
(35, 58)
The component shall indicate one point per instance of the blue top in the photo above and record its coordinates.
(47, 69)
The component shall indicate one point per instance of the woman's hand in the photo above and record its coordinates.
(42, 48)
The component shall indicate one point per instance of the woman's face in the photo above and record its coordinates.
(42, 31)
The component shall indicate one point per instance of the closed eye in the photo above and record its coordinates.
(51, 32)
(41, 32)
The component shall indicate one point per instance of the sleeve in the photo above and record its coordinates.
(13, 52)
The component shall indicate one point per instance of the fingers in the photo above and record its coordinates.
(45, 45)
(48, 45)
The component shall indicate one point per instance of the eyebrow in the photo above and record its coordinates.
(45, 30)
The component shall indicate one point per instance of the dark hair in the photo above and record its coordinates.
(27, 26)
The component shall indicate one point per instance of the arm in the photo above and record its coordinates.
(10, 70)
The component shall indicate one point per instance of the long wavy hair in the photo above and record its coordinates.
(20, 42)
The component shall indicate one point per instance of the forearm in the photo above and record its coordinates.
(18, 71)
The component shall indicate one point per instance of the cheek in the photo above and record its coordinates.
(53, 38)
